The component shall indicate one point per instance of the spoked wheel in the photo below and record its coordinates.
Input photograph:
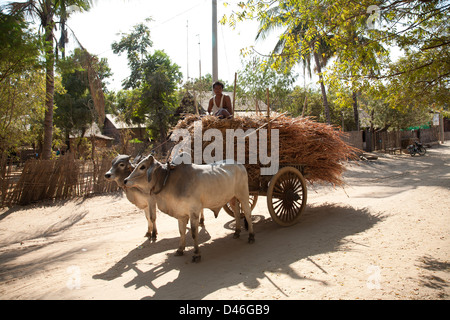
(252, 201)
(286, 196)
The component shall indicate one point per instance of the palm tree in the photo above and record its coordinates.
(321, 57)
(367, 53)
(45, 11)
(316, 48)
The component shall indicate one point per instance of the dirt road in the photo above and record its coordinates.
(386, 235)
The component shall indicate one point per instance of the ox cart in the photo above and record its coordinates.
(285, 191)
(308, 151)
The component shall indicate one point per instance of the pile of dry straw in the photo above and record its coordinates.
(302, 141)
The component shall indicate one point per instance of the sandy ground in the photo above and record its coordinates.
(386, 235)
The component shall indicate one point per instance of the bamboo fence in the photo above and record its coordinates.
(60, 179)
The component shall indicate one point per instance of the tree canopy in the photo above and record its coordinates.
(154, 79)
(75, 110)
(45, 12)
(360, 35)
(22, 87)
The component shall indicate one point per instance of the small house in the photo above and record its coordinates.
(116, 128)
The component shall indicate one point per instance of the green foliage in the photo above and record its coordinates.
(128, 106)
(136, 45)
(159, 98)
(340, 110)
(22, 89)
(416, 82)
(420, 80)
(75, 107)
(379, 114)
(21, 109)
(205, 84)
(45, 12)
(74, 112)
(19, 50)
(135, 140)
(152, 84)
(257, 76)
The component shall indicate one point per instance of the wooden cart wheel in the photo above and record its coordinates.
(286, 196)
(252, 201)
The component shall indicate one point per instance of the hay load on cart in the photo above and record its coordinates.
(308, 150)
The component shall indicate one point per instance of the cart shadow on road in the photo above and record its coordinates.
(229, 262)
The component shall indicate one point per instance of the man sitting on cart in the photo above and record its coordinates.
(220, 104)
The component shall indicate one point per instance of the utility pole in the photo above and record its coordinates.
(215, 72)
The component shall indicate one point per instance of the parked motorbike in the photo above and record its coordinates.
(417, 147)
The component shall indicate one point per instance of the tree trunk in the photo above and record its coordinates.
(355, 110)
(304, 105)
(49, 91)
(372, 131)
(63, 39)
(322, 88)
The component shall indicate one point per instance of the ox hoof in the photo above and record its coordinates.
(151, 236)
(236, 235)
(178, 253)
(251, 238)
(196, 259)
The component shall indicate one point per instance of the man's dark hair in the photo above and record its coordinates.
(218, 83)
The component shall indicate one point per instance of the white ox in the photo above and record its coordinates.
(183, 192)
(121, 167)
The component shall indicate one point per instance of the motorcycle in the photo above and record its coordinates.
(417, 147)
